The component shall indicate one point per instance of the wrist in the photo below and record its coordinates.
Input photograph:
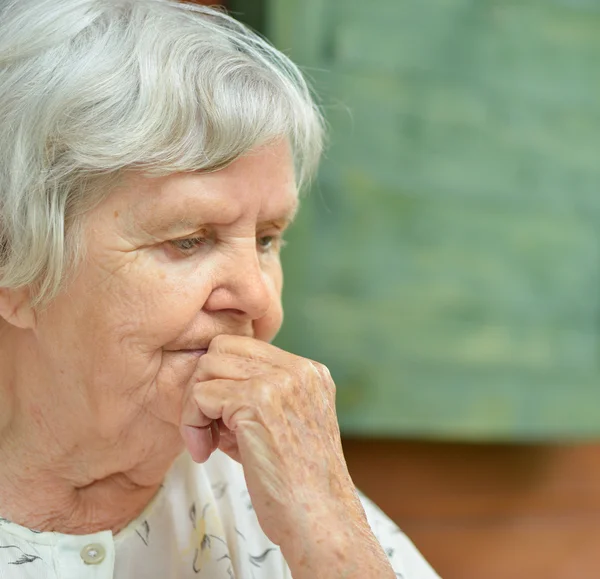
(334, 544)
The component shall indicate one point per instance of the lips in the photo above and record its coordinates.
(194, 352)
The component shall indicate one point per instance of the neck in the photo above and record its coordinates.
(57, 475)
(52, 503)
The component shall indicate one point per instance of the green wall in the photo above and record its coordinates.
(446, 263)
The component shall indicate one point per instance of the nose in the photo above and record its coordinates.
(243, 288)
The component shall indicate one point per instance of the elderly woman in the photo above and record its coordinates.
(150, 154)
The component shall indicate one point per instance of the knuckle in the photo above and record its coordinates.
(262, 392)
(331, 386)
(325, 378)
(298, 371)
(197, 390)
(323, 372)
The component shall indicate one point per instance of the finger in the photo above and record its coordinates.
(246, 348)
(213, 366)
(233, 400)
(192, 414)
(198, 431)
(201, 442)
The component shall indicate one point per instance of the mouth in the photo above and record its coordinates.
(193, 352)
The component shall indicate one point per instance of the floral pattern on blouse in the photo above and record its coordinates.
(201, 525)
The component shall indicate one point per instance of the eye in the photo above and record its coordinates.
(189, 244)
(268, 243)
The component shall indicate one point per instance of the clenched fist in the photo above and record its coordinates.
(274, 412)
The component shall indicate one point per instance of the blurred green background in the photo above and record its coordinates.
(446, 263)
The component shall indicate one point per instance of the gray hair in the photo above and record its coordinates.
(91, 88)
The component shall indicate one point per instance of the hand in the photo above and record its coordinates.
(274, 412)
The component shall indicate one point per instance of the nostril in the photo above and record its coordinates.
(234, 312)
(242, 295)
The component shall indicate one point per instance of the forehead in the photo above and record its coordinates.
(261, 186)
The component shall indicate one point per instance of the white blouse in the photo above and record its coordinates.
(200, 525)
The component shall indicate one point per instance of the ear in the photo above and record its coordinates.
(16, 309)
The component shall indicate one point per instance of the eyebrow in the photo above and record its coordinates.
(282, 222)
(168, 225)
(185, 223)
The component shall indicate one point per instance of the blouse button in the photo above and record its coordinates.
(93, 554)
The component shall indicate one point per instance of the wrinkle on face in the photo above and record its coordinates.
(134, 302)
(105, 366)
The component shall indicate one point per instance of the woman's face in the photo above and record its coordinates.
(171, 262)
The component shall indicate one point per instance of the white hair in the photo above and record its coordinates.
(90, 88)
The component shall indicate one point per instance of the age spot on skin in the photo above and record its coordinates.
(116, 214)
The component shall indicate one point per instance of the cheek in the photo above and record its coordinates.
(172, 303)
(143, 305)
(267, 327)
